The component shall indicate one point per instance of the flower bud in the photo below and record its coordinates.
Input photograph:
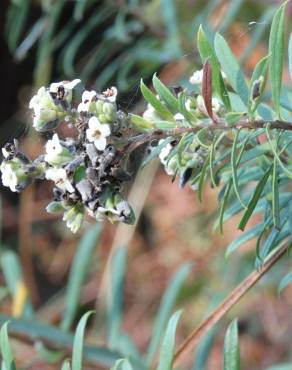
(74, 217)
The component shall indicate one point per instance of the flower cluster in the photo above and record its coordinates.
(85, 169)
(88, 170)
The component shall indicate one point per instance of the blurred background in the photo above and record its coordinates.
(115, 43)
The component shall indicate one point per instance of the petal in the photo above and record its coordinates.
(105, 130)
(90, 134)
(100, 143)
(94, 123)
(71, 84)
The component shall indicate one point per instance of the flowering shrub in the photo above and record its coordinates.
(223, 128)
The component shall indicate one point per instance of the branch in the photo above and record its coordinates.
(137, 140)
(192, 340)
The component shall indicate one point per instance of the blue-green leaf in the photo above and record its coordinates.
(287, 279)
(206, 51)
(166, 306)
(6, 352)
(276, 50)
(290, 55)
(165, 94)
(231, 68)
(231, 348)
(78, 342)
(156, 104)
(168, 344)
(78, 273)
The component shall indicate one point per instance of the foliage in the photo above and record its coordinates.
(226, 128)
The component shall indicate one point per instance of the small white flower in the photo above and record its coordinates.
(5, 153)
(201, 105)
(111, 94)
(59, 176)
(164, 152)
(87, 98)
(196, 78)
(9, 177)
(179, 117)
(216, 105)
(97, 133)
(68, 85)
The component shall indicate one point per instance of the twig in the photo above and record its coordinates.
(192, 340)
(137, 140)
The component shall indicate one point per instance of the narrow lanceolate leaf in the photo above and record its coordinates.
(206, 51)
(290, 55)
(223, 204)
(78, 342)
(122, 365)
(231, 68)
(66, 365)
(140, 122)
(254, 199)
(168, 344)
(276, 50)
(156, 103)
(231, 348)
(234, 166)
(165, 94)
(243, 238)
(275, 195)
(78, 273)
(166, 306)
(287, 279)
(6, 352)
(207, 87)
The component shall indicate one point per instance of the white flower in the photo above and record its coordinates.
(111, 94)
(9, 177)
(196, 78)
(164, 152)
(59, 176)
(5, 153)
(56, 154)
(45, 110)
(201, 105)
(67, 85)
(87, 98)
(179, 117)
(97, 133)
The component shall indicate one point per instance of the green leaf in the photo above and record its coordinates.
(35, 330)
(202, 178)
(140, 122)
(234, 165)
(166, 306)
(243, 238)
(6, 352)
(231, 68)
(66, 365)
(290, 55)
(115, 295)
(156, 104)
(275, 195)
(206, 51)
(168, 344)
(254, 199)
(231, 348)
(223, 204)
(78, 273)
(165, 94)
(78, 342)
(204, 348)
(276, 51)
(122, 365)
(287, 279)
(281, 367)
